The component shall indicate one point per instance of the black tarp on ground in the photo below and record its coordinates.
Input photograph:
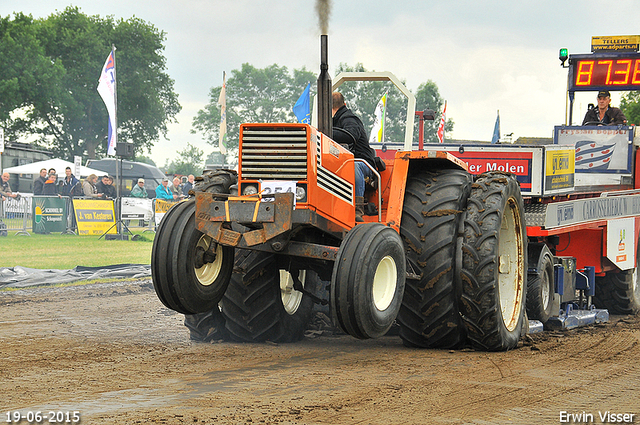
(22, 277)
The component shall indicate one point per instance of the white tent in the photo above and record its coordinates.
(59, 164)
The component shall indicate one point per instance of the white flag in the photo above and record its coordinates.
(222, 101)
(107, 90)
(377, 132)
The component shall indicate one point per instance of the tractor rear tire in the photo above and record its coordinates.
(540, 285)
(368, 280)
(206, 327)
(432, 219)
(260, 303)
(494, 263)
(619, 292)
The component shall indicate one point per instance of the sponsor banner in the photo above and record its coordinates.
(49, 214)
(605, 149)
(520, 162)
(621, 242)
(160, 208)
(136, 208)
(559, 170)
(591, 209)
(94, 217)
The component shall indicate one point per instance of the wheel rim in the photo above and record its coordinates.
(511, 266)
(291, 298)
(634, 277)
(384, 283)
(546, 291)
(208, 273)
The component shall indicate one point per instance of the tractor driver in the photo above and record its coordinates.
(604, 114)
(349, 131)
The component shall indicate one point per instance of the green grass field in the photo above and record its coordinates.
(67, 251)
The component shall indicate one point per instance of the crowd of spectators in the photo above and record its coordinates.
(48, 184)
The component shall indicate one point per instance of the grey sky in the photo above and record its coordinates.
(484, 56)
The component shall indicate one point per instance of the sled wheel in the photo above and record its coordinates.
(619, 292)
(206, 327)
(494, 263)
(368, 280)
(260, 303)
(540, 285)
(434, 204)
(200, 268)
(161, 253)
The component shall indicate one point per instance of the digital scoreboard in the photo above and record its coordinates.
(604, 71)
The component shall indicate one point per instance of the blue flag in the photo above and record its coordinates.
(496, 130)
(301, 108)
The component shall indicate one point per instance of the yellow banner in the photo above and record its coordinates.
(94, 217)
(163, 206)
(560, 169)
(628, 43)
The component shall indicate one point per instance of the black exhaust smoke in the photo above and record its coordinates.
(325, 122)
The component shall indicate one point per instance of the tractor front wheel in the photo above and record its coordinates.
(368, 280)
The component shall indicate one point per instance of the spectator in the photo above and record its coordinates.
(163, 192)
(52, 171)
(38, 184)
(105, 187)
(89, 187)
(69, 183)
(139, 191)
(51, 185)
(5, 188)
(188, 185)
(175, 189)
(110, 189)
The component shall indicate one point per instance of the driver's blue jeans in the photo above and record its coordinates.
(362, 171)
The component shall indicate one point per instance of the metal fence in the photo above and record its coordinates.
(16, 214)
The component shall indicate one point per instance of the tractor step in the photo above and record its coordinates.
(535, 326)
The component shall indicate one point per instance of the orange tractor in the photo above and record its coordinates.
(442, 254)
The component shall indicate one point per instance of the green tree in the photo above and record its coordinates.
(264, 95)
(428, 97)
(630, 105)
(144, 159)
(268, 95)
(190, 161)
(363, 96)
(51, 67)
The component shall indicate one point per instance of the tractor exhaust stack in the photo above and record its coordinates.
(325, 120)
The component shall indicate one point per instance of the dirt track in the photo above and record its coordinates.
(114, 353)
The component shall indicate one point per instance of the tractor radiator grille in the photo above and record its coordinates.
(274, 153)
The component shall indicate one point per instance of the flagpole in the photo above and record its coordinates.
(115, 96)
(384, 114)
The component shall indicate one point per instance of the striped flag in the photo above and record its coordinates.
(592, 156)
(377, 132)
(442, 120)
(107, 91)
(222, 101)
